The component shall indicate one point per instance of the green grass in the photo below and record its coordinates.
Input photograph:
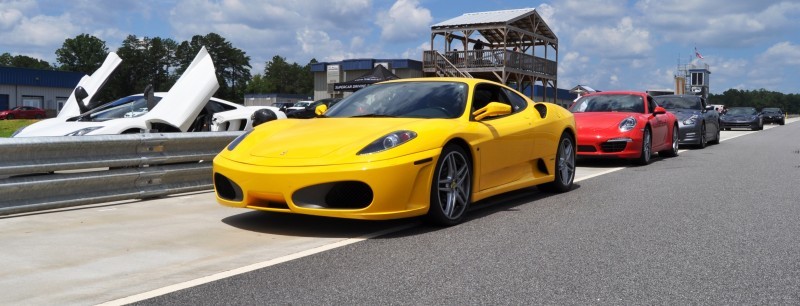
(8, 127)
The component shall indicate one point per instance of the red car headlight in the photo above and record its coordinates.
(627, 124)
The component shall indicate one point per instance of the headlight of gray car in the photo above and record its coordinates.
(691, 120)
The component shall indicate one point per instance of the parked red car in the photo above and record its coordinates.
(23, 112)
(624, 124)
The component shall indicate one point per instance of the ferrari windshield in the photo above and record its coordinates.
(128, 107)
(742, 111)
(609, 103)
(404, 99)
(677, 102)
(771, 110)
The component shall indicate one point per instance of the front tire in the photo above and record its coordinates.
(10, 117)
(565, 166)
(451, 187)
(647, 148)
(673, 151)
(703, 138)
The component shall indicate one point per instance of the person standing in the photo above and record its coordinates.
(478, 48)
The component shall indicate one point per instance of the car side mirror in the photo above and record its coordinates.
(320, 110)
(80, 94)
(492, 109)
(659, 110)
(149, 97)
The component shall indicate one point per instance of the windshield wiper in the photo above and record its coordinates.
(374, 116)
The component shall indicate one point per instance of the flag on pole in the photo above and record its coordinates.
(697, 54)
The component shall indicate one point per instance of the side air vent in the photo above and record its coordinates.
(542, 109)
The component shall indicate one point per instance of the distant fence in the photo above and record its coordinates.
(54, 172)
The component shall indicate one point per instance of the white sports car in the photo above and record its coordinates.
(186, 107)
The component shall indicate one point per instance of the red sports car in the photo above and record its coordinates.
(23, 112)
(624, 124)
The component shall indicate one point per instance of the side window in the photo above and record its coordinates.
(486, 93)
(517, 102)
(651, 104)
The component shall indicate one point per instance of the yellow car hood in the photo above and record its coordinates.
(330, 141)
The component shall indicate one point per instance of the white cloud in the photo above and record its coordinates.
(719, 23)
(9, 18)
(781, 54)
(415, 53)
(39, 31)
(404, 21)
(623, 41)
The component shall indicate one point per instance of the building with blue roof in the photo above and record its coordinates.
(46, 89)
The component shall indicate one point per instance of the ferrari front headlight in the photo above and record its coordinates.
(239, 139)
(388, 141)
(627, 124)
(84, 131)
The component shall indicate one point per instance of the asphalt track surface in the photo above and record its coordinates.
(713, 226)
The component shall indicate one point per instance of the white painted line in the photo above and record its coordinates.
(599, 174)
(249, 268)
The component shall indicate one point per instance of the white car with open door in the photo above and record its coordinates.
(186, 107)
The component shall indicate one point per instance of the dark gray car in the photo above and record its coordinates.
(698, 123)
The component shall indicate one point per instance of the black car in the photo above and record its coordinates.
(283, 106)
(310, 110)
(742, 117)
(773, 115)
(698, 122)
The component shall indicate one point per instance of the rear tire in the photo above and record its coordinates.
(451, 187)
(717, 138)
(565, 166)
(647, 148)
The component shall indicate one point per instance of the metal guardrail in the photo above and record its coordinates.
(54, 172)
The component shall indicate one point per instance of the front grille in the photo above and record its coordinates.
(334, 195)
(738, 124)
(350, 194)
(585, 148)
(226, 188)
(613, 146)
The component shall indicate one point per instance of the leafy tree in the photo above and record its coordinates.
(259, 84)
(145, 61)
(289, 78)
(5, 59)
(23, 61)
(232, 64)
(84, 53)
(757, 98)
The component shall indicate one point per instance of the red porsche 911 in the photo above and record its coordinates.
(624, 124)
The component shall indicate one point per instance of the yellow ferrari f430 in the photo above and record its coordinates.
(403, 148)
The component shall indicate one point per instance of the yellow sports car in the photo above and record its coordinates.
(402, 148)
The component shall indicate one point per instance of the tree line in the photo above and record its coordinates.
(161, 61)
(759, 99)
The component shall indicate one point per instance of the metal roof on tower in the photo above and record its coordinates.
(526, 20)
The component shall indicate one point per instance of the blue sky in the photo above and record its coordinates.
(605, 44)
